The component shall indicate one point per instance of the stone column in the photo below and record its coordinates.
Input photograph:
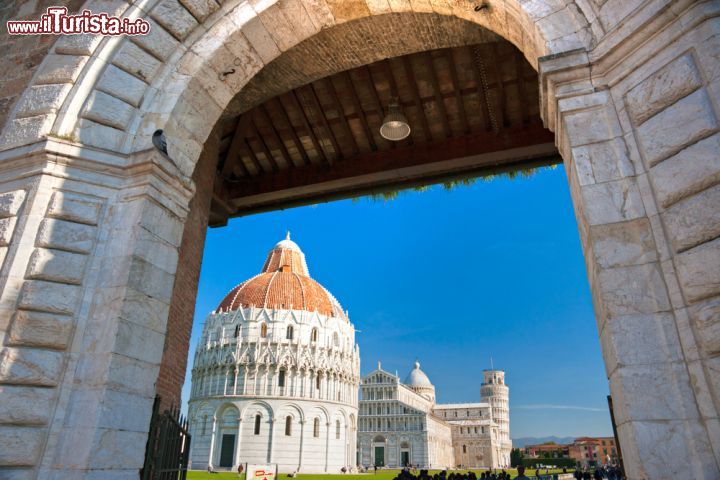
(639, 137)
(88, 253)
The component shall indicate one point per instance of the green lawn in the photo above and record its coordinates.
(381, 475)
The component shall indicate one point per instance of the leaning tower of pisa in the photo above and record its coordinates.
(494, 391)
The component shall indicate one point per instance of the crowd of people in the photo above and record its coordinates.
(598, 473)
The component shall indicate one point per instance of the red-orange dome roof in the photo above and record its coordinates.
(284, 283)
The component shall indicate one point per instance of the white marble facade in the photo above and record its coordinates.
(400, 424)
(275, 376)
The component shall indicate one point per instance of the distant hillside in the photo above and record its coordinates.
(522, 441)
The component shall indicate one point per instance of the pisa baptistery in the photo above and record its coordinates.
(275, 375)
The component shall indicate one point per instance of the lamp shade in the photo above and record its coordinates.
(395, 126)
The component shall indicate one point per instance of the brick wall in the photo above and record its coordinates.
(182, 308)
(22, 54)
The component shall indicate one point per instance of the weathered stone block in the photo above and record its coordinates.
(118, 449)
(632, 290)
(150, 279)
(158, 42)
(60, 69)
(7, 227)
(25, 405)
(96, 135)
(20, 446)
(200, 9)
(42, 99)
(706, 318)
(122, 85)
(689, 171)
(29, 366)
(57, 266)
(136, 61)
(640, 340)
(660, 137)
(11, 202)
(41, 329)
(624, 243)
(117, 372)
(63, 235)
(602, 162)
(49, 296)
(75, 207)
(174, 17)
(656, 391)
(26, 130)
(699, 271)
(612, 202)
(108, 110)
(694, 220)
(664, 87)
(77, 44)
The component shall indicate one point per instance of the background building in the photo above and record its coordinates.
(400, 423)
(276, 373)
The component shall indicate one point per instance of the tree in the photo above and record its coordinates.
(516, 456)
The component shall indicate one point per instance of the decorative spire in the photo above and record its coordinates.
(287, 235)
(417, 365)
(379, 365)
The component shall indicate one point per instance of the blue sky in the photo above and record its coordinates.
(451, 278)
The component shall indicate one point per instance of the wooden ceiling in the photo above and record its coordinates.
(460, 102)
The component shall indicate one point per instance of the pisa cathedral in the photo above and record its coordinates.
(400, 424)
(275, 375)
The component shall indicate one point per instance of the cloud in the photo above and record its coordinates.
(543, 406)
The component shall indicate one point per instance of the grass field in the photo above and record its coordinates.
(381, 475)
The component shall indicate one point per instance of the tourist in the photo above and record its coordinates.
(521, 473)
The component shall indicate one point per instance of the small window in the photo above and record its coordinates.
(281, 378)
(288, 425)
(289, 332)
(337, 429)
(263, 330)
(464, 449)
(257, 424)
(316, 427)
(314, 335)
(204, 425)
(237, 331)
(317, 382)
(336, 341)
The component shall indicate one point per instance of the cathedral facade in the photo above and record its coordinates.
(400, 424)
(275, 375)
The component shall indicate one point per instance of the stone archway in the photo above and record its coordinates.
(94, 221)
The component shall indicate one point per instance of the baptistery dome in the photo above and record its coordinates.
(276, 373)
(283, 283)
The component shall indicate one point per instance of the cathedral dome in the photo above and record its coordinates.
(417, 378)
(284, 284)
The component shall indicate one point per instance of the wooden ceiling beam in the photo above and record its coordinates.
(263, 145)
(293, 134)
(454, 148)
(456, 89)
(495, 67)
(412, 84)
(335, 99)
(484, 100)
(233, 153)
(321, 113)
(359, 110)
(522, 90)
(276, 136)
(308, 128)
(439, 101)
(253, 158)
